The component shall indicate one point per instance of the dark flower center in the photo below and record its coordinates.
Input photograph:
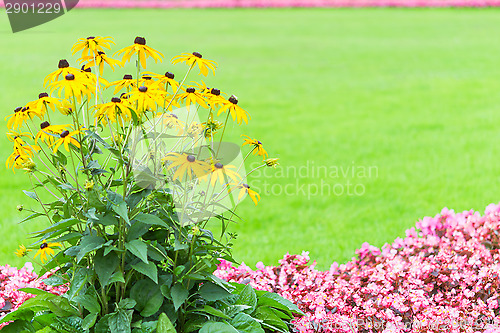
(69, 77)
(87, 70)
(169, 75)
(127, 77)
(45, 124)
(100, 53)
(258, 142)
(146, 77)
(174, 115)
(91, 37)
(140, 40)
(218, 165)
(18, 109)
(64, 134)
(42, 95)
(44, 245)
(63, 63)
(143, 89)
(215, 91)
(190, 90)
(123, 96)
(115, 100)
(245, 185)
(26, 108)
(191, 158)
(233, 99)
(197, 55)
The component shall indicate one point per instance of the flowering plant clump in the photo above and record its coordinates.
(128, 177)
(443, 276)
(15, 287)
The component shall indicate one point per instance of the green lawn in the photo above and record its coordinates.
(412, 93)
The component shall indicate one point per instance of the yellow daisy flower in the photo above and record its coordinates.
(43, 103)
(114, 111)
(23, 148)
(272, 162)
(190, 96)
(71, 85)
(22, 251)
(13, 135)
(236, 112)
(171, 121)
(16, 161)
(20, 115)
(127, 82)
(245, 189)
(220, 172)
(99, 60)
(164, 81)
(87, 72)
(146, 98)
(139, 47)
(258, 149)
(46, 249)
(186, 164)
(196, 58)
(146, 80)
(64, 69)
(91, 45)
(66, 137)
(48, 133)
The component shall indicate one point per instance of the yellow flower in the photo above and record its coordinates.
(43, 103)
(24, 148)
(114, 111)
(141, 50)
(87, 72)
(146, 98)
(63, 70)
(66, 138)
(245, 189)
(220, 172)
(186, 164)
(164, 81)
(20, 115)
(171, 121)
(71, 85)
(214, 97)
(146, 80)
(99, 60)
(192, 97)
(127, 82)
(48, 133)
(13, 135)
(91, 45)
(22, 251)
(16, 161)
(258, 149)
(236, 112)
(46, 249)
(272, 162)
(89, 185)
(196, 58)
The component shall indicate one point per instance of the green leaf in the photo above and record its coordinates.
(136, 230)
(88, 302)
(148, 269)
(246, 324)
(127, 303)
(105, 266)
(118, 205)
(212, 292)
(35, 291)
(89, 320)
(139, 249)
(248, 297)
(119, 322)
(87, 244)
(179, 295)
(215, 312)
(150, 219)
(164, 325)
(148, 297)
(32, 195)
(217, 327)
(117, 277)
(278, 302)
(267, 315)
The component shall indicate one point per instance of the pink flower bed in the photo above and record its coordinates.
(443, 276)
(12, 279)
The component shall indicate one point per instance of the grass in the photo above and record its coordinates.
(412, 93)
